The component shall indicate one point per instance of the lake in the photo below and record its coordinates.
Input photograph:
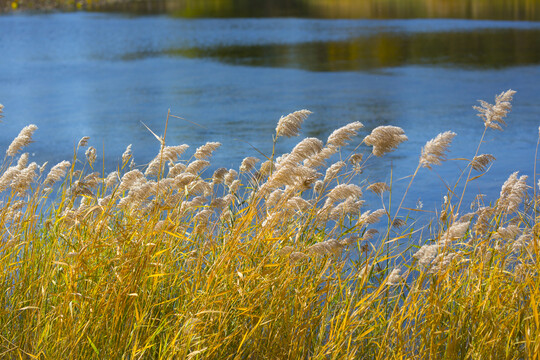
(104, 75)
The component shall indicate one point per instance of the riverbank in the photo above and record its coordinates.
(278, 258)
(348, 9)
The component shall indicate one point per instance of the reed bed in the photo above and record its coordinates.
(276, 260)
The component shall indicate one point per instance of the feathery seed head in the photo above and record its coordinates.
(205, 151)
(512, 193)
(340, 136)
(318, 187)
(286, 250)
(481, 162)
(23, 161)
(320, 158)
(331, 246)
(442, 261)
(131, 179)
(305, 149)
(42, 167)
(234, 186)
(333, 170)
(493, 115)
(350, 206)
(230, 177)
(296, 256)
(398, 223)
(369, 217)
(176, 170)
(433, 153)
(523, 240)
(126, 155)
(84, 141)
(23, 139)
(508, 233)
(218, 203)
(274, 198)
(267, 168)
(356, 159)
(379, 188)
(7, 177)
(91, 155)
(385, 139)
(57, 172)
(344, 191)
(248, 164)
(167, 154)
(426, 254)
(111, 179)
(219, 175)
(456, 231)
(297, 203)
(197, 166)
(25, 177)
(370, 233)
(290, 125)
(394, 278)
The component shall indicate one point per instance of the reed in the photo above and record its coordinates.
(277, 260)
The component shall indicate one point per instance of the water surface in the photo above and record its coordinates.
(103, 75)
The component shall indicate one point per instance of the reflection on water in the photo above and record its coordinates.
(330, 9)
(491, 48)
(354, 9)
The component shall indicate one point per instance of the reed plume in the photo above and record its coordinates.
(248, 164)
(481, 162)
(394, 278)
(205, 151)
(219, 175)
(493, 115)
(433, 153)
(290, 125)
(126, 155)
(23, 139)
(344, 191)
(320, 158)
(56, 173)
(385, 139)
(91, 155)
(83, 142)
(379, 188)
(340, 136)
(512, 193)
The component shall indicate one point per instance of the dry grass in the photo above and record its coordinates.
(277, 261)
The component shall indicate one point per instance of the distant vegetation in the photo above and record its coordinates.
(470, 9)
(277, 259)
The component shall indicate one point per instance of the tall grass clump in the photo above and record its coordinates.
(279, 259)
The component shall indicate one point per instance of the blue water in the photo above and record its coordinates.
(103, 75)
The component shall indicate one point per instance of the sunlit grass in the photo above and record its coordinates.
(277, 260)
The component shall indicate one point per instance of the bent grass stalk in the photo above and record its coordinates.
(272, 264)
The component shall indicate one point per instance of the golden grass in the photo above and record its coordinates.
(279, 261)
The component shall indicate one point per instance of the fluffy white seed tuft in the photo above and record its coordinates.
(385, 139)
(205, 151)
(23, 139)
(57, 172)
(340, 136)
(493, 115)
(433, 153)
(290, 125)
